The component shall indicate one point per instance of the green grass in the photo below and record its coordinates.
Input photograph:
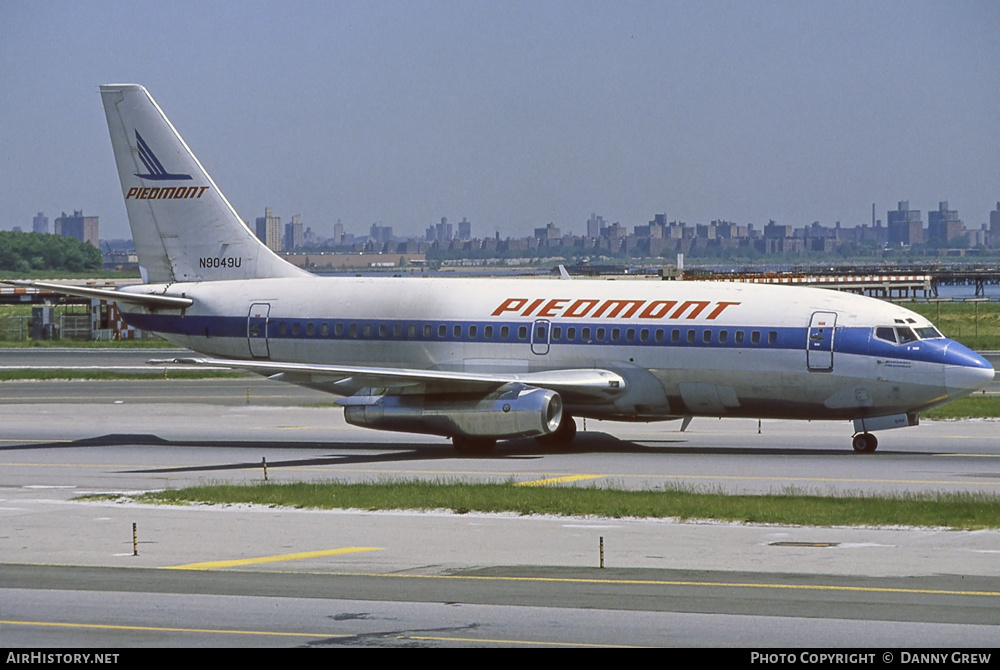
(976, 327)
(979, 406)
(950, 510)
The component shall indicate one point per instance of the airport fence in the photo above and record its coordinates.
(65, 327)
(15, 328)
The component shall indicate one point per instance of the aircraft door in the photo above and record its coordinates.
(257, 329)
(819, 341)
(541, 331)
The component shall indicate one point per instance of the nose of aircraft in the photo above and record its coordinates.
(965, 371)
(962, 380)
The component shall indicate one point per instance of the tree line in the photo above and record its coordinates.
(28, 252)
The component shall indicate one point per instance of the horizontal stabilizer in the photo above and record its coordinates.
(148, 300)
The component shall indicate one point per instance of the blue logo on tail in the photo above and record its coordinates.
(148, 158)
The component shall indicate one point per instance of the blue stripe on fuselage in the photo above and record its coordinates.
(850, 340)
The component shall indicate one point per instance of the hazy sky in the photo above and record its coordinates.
(515, 114)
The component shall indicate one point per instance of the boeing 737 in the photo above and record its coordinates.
(481, 360)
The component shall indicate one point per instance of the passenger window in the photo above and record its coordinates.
(368, 330)
(504, 332)
(585, 334)
(755, 337)
(488, 332)
(522, 332)
(397, 330)
(772, 337)
(411, 331)
(456, 332)
(723, 336)
(324, 330)
(556, 333)
(691, 336)
(353, 330)
(338, 329)
(442, 331)
(886, 334)
(644, 335)
(675, 335)
(600, 334)
(310, 329)
(427, 331)
(383, 330)
(739, 337)
(472, 332)
(616, 334)
(571, 334)
(706, 336)
(660, 334)
(630, 334)
(297, 328)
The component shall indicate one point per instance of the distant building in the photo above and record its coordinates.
(549, 232)
(294, 236)
(83, 228)
(380, 234)
(40, 224)
(594, 226)
(440, 232)
(269, 230)
(944, 228)
(905, 225)
(995, 227)
(464, 229)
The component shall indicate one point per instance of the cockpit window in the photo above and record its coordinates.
(928, 333)
(886, 334)
(905, 335)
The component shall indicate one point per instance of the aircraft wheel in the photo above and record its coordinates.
(865, 443)
(473, 446)
(564, 434)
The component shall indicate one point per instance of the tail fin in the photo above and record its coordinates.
(184, 228)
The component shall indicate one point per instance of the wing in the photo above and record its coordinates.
(588, 384)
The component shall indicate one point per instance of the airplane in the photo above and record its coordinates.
(484, 359)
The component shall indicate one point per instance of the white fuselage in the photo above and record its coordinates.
(683, 348)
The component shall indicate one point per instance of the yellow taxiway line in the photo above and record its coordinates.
(210, 565)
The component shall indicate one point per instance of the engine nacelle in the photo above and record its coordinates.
(513, 410)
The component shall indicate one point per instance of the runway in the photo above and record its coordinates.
(276, 577)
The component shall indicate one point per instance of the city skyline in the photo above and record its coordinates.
(516, 114)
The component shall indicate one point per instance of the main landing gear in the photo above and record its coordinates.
(562, 435)
(865, 443)
(481, 446)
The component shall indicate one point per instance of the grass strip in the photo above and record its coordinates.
(950, 510)
(971, 407)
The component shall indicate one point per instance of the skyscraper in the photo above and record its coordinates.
(269, 230)
(464, 229)
(995, 227)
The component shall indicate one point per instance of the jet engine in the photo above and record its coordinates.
(513, 410)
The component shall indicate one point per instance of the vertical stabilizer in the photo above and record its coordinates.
(184, 229)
